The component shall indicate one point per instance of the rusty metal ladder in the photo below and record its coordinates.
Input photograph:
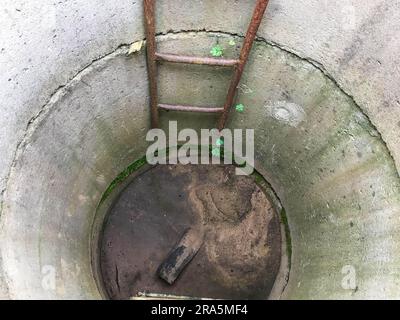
(238, 64)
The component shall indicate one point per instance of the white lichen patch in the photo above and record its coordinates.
(286, 112)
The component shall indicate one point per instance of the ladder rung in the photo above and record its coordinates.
(152, 57)
(196, 60)
(190, 108)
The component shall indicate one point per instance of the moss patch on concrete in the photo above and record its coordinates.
(123, 175)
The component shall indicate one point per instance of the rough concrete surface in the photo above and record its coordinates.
(75, 112)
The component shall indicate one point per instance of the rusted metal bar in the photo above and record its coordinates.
(149, 19)
(258, 14)
(176, 58)
(190, 108)
(164, 296)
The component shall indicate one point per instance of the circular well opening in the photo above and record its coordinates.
(232, 220)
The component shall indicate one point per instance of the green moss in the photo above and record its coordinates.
(216, 152)
(285, 223)
(217, 51)
(239, 108)
(219, 142)
(123, 175)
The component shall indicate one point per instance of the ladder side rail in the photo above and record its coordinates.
(150, 29)
(256, 19)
